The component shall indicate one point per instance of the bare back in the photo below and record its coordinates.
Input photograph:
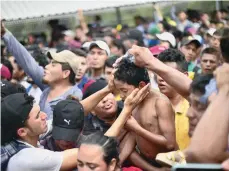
(147, 115)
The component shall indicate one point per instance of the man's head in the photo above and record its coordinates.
(109, 67)
(63, 68)
(8, 88)
(98, 53)
(134, 37)
(189, 47)
(21, 118)
(197, 108)
(128, 76)
(82, 63)
(217, 35)
(182, 16)
(209, 60)
(69, 35)
(68, 122)
(117, 48)
(166, 39)
(107, 108)
(79, 32)
(175, 59)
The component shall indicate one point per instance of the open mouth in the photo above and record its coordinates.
(108, 106)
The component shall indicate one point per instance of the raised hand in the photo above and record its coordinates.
(221, 76)
(3, 29)
(136, 97)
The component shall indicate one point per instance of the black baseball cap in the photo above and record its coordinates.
(15, 109)
(8, 88)
(137, 35)
(68, 120)
(94, 87)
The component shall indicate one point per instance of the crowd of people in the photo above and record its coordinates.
(108, 99)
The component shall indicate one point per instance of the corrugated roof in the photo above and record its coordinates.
(16, 10)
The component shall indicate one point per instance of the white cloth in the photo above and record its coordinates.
(36, 93)
(35, 159)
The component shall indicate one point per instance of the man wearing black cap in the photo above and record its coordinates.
(134, 37)
(8, 88)
(68, 122)
(23, 122)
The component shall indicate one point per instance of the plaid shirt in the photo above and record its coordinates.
(8, 151)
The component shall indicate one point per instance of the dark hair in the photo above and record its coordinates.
(174, 55)
(131, 74)
(108, 144)
(166, 26)
(72, 75)
(199, 83)
(110, 61)
(79, 52)
(211, 51)
(119, 44)
(224, 46)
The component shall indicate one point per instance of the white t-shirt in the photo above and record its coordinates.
(35, 159)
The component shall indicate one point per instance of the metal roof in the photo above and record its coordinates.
(17, 10)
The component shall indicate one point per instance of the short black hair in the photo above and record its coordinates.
(110, 61)
(224, 44)
(131, 74)
(199, 83)
(212, 51)
(174, 55)
(79, 52)
(119, 44)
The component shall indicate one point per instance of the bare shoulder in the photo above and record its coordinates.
(160, 99)
(163, 105)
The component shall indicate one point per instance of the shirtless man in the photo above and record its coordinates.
(155, 126)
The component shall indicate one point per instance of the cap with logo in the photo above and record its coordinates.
(68, 120)
(66, 56)
(102, 45)
(166, 36)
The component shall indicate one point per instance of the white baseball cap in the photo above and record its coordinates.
(211, 31)
(102, 45)
(69, 33)
(166, 36)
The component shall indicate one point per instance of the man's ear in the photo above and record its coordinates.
(21, 132)
(141, 84)
(66, 73)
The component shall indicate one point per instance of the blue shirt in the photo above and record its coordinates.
(36, 72)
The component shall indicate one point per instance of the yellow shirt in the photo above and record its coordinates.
(182, 124)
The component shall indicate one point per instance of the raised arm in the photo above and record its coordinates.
(23, 57)
(179, 81)
(210, 139)
(91, 102)
(83, 23)
(130, 103)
